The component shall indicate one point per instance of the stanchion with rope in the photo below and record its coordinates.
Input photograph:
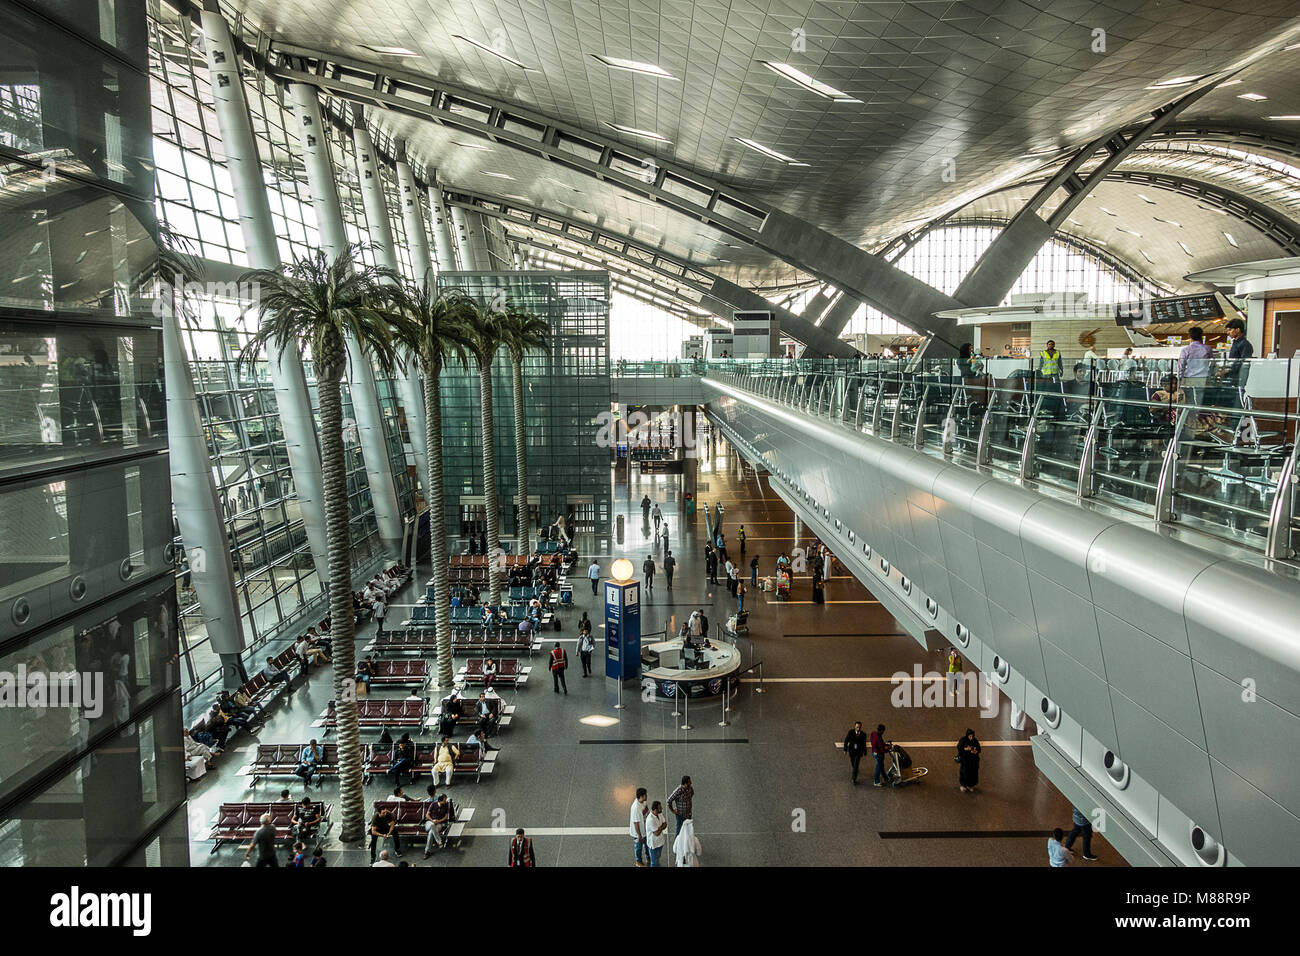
(676, 696)
(726, 702)
(687, 715)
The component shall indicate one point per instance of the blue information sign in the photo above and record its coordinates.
(623, 630)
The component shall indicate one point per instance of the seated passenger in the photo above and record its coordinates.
(403, 759)
(445, 759)
(306, 818)
(365, 672)
(488, 714)
(489, 671)
(310, 756)
(478, 740)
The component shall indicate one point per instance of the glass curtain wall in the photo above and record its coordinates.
(91, 775)
(567, 391)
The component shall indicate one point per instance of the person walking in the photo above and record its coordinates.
(680, 802)
(954, 672)
(711, 564)
(740, 537)
(733, 578)
(593, 572)
(263, 843)
(648, 570)
(855, 745)
(753, 571)
(666, 539)
(586, 644)
(521, 850)
(655, 826)
(645, 509)
(657, 517)
(818, 588)
(636, 825)
(740, 596)
(1082, 827)
(687, 847)
(879, 747)
(670, 564)
(968, 760)
(559, 663)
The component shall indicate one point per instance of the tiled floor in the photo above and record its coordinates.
(771, 788)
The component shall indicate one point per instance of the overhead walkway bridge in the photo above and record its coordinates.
(1119, 561)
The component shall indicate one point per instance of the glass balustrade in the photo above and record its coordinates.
(1215, 453)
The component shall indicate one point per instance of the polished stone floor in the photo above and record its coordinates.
(772, 788)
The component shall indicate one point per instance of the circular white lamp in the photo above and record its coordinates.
(622, 570)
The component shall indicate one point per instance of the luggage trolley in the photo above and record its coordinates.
(899, 769)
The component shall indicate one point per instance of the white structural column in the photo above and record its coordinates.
(287, 378)
(443, 244)
(365, 394)
(198, 509)
(468, 252)
(361, 379)
(417, 241)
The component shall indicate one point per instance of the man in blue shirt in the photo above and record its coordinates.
(1057, 854)
(307, 760)
(1194, 359)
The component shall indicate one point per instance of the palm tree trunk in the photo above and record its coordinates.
(521, 456)
(490, 480)
(438, 523)
(342, 624)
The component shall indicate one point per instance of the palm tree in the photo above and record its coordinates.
(313, 304)
(484, 341)
(522, 332)
(435, 329)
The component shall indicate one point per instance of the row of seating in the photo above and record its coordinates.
(459, 561)
(464, 640)
(509, 672)
(410, 814)
(281, 760)
(237, 822)
(375, 714)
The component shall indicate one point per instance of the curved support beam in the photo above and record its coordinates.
(1007, 257)
(720, 296)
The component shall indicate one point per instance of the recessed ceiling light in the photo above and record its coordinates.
(633, 131)
(1293, 46)
(824, 90)
(1146, 199)
(1147, 257)
(391, 50)
(1177, 81)
(1168, 222)
(487, 49)
(1231, 83)
(634, 66)
(516, 196)
(769, 152)
(497, 175)
(1231, 241)
(1289, 118)
(1131, 232)
(1251, 96)
(1186, 249)
(486, 149)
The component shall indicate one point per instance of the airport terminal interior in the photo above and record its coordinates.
(732, 433)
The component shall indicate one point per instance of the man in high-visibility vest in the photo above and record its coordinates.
(1049, 361)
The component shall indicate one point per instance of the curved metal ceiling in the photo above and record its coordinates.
(956, 103)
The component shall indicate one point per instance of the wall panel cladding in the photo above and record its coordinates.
(1184, 663)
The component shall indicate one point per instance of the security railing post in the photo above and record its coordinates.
(686, 724)
(726, 700)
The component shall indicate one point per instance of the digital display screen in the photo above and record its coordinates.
(1183, 308)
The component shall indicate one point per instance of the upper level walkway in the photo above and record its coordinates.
(1116, 550)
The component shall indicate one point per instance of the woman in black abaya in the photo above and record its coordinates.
(968, 759)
